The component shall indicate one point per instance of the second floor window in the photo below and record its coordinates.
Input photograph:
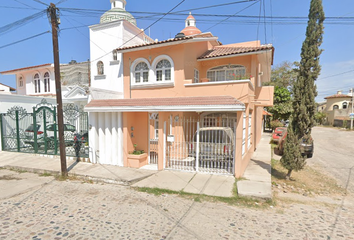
(46, 82)
(196, 76)
(163, 71)
(345, 105)
(335, 107)
(115, 55)
(141, 72)
(100, 68)
(37, 83)
(226, 73)
(20, 82)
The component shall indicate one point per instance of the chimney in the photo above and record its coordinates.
(339, 92)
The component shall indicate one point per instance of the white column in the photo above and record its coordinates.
(114, 139)
(120, 139)
(101, 137)
(93, 136)
(108, 134)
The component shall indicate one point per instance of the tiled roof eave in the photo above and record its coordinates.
(204, 58)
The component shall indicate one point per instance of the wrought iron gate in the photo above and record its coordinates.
(37, 132)
(202, 146)
(153, 137)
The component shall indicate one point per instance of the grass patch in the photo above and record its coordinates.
(235, 200)
(45, 174)
(307, 182)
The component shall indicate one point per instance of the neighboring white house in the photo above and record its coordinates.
(338, 107)
(117, 28)
(4, 89)
(39, 81)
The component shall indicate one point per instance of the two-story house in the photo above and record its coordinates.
(338, 107)
(190, 103)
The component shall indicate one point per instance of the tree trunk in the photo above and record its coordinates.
(289, 174)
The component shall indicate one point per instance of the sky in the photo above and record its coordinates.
(278, 22)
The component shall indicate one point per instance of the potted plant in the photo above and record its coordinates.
(137, 158)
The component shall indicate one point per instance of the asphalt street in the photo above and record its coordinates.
(334, 151)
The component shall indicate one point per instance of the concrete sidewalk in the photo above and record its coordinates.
(97, 172)
(257, 174)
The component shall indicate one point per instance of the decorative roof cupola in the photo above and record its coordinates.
(117, 12)
(190, 28)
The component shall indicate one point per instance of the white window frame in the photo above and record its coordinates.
(37, 83)
(221, 73)
(344, 104)
(132, 72)
(196, 75)
(154, 64)
(46, 81)
(141, 73)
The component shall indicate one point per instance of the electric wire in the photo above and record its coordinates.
(12, 26)
(60, 2)
(231, 16)
(264, 22)
(23, 4)
(41, 2)
(259, 20)
(25, 39)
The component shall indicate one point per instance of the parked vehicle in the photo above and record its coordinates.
(278, 132)
(49, 138)
(306, 147)
(215, 143)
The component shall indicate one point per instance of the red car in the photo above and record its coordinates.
(278, 132)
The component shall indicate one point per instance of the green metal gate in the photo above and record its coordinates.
(37, 132)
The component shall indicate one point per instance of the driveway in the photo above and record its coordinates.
(334, 150)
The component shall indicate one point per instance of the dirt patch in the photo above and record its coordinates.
(9, 177)
(309, 182)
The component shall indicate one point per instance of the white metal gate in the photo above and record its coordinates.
(153, 137)
(202, 146)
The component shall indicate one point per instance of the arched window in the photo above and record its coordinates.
(46, 82)
(335, 107)
(345, 105)
(163, 70)
(100, 68)
(227, 73)
(115, 55)
(141, 72)
(20, 82)
(37, 83)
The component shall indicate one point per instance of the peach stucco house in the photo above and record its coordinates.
(177, 89)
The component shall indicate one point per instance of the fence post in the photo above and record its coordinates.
(55, 131)
(35, 145)
(1, 135)
(17, 132)
(197, 150)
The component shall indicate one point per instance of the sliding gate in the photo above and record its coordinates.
(203, 146)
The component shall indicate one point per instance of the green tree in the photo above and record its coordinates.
(320, 117)
(304, 89)
(283, 75)
(282, 107)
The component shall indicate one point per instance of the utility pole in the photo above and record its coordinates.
(53, 13)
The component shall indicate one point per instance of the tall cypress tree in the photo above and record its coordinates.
(304, 89)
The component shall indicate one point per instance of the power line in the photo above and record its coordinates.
(231, 16)
(23, 3)
(335, 75)
(21, 22)
(60, 2)
(25, 39)
(41, 2)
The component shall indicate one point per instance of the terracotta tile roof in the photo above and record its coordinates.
(26, 68)
(154, 43)
(339, 96)
(226, 51)
(166, 102)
